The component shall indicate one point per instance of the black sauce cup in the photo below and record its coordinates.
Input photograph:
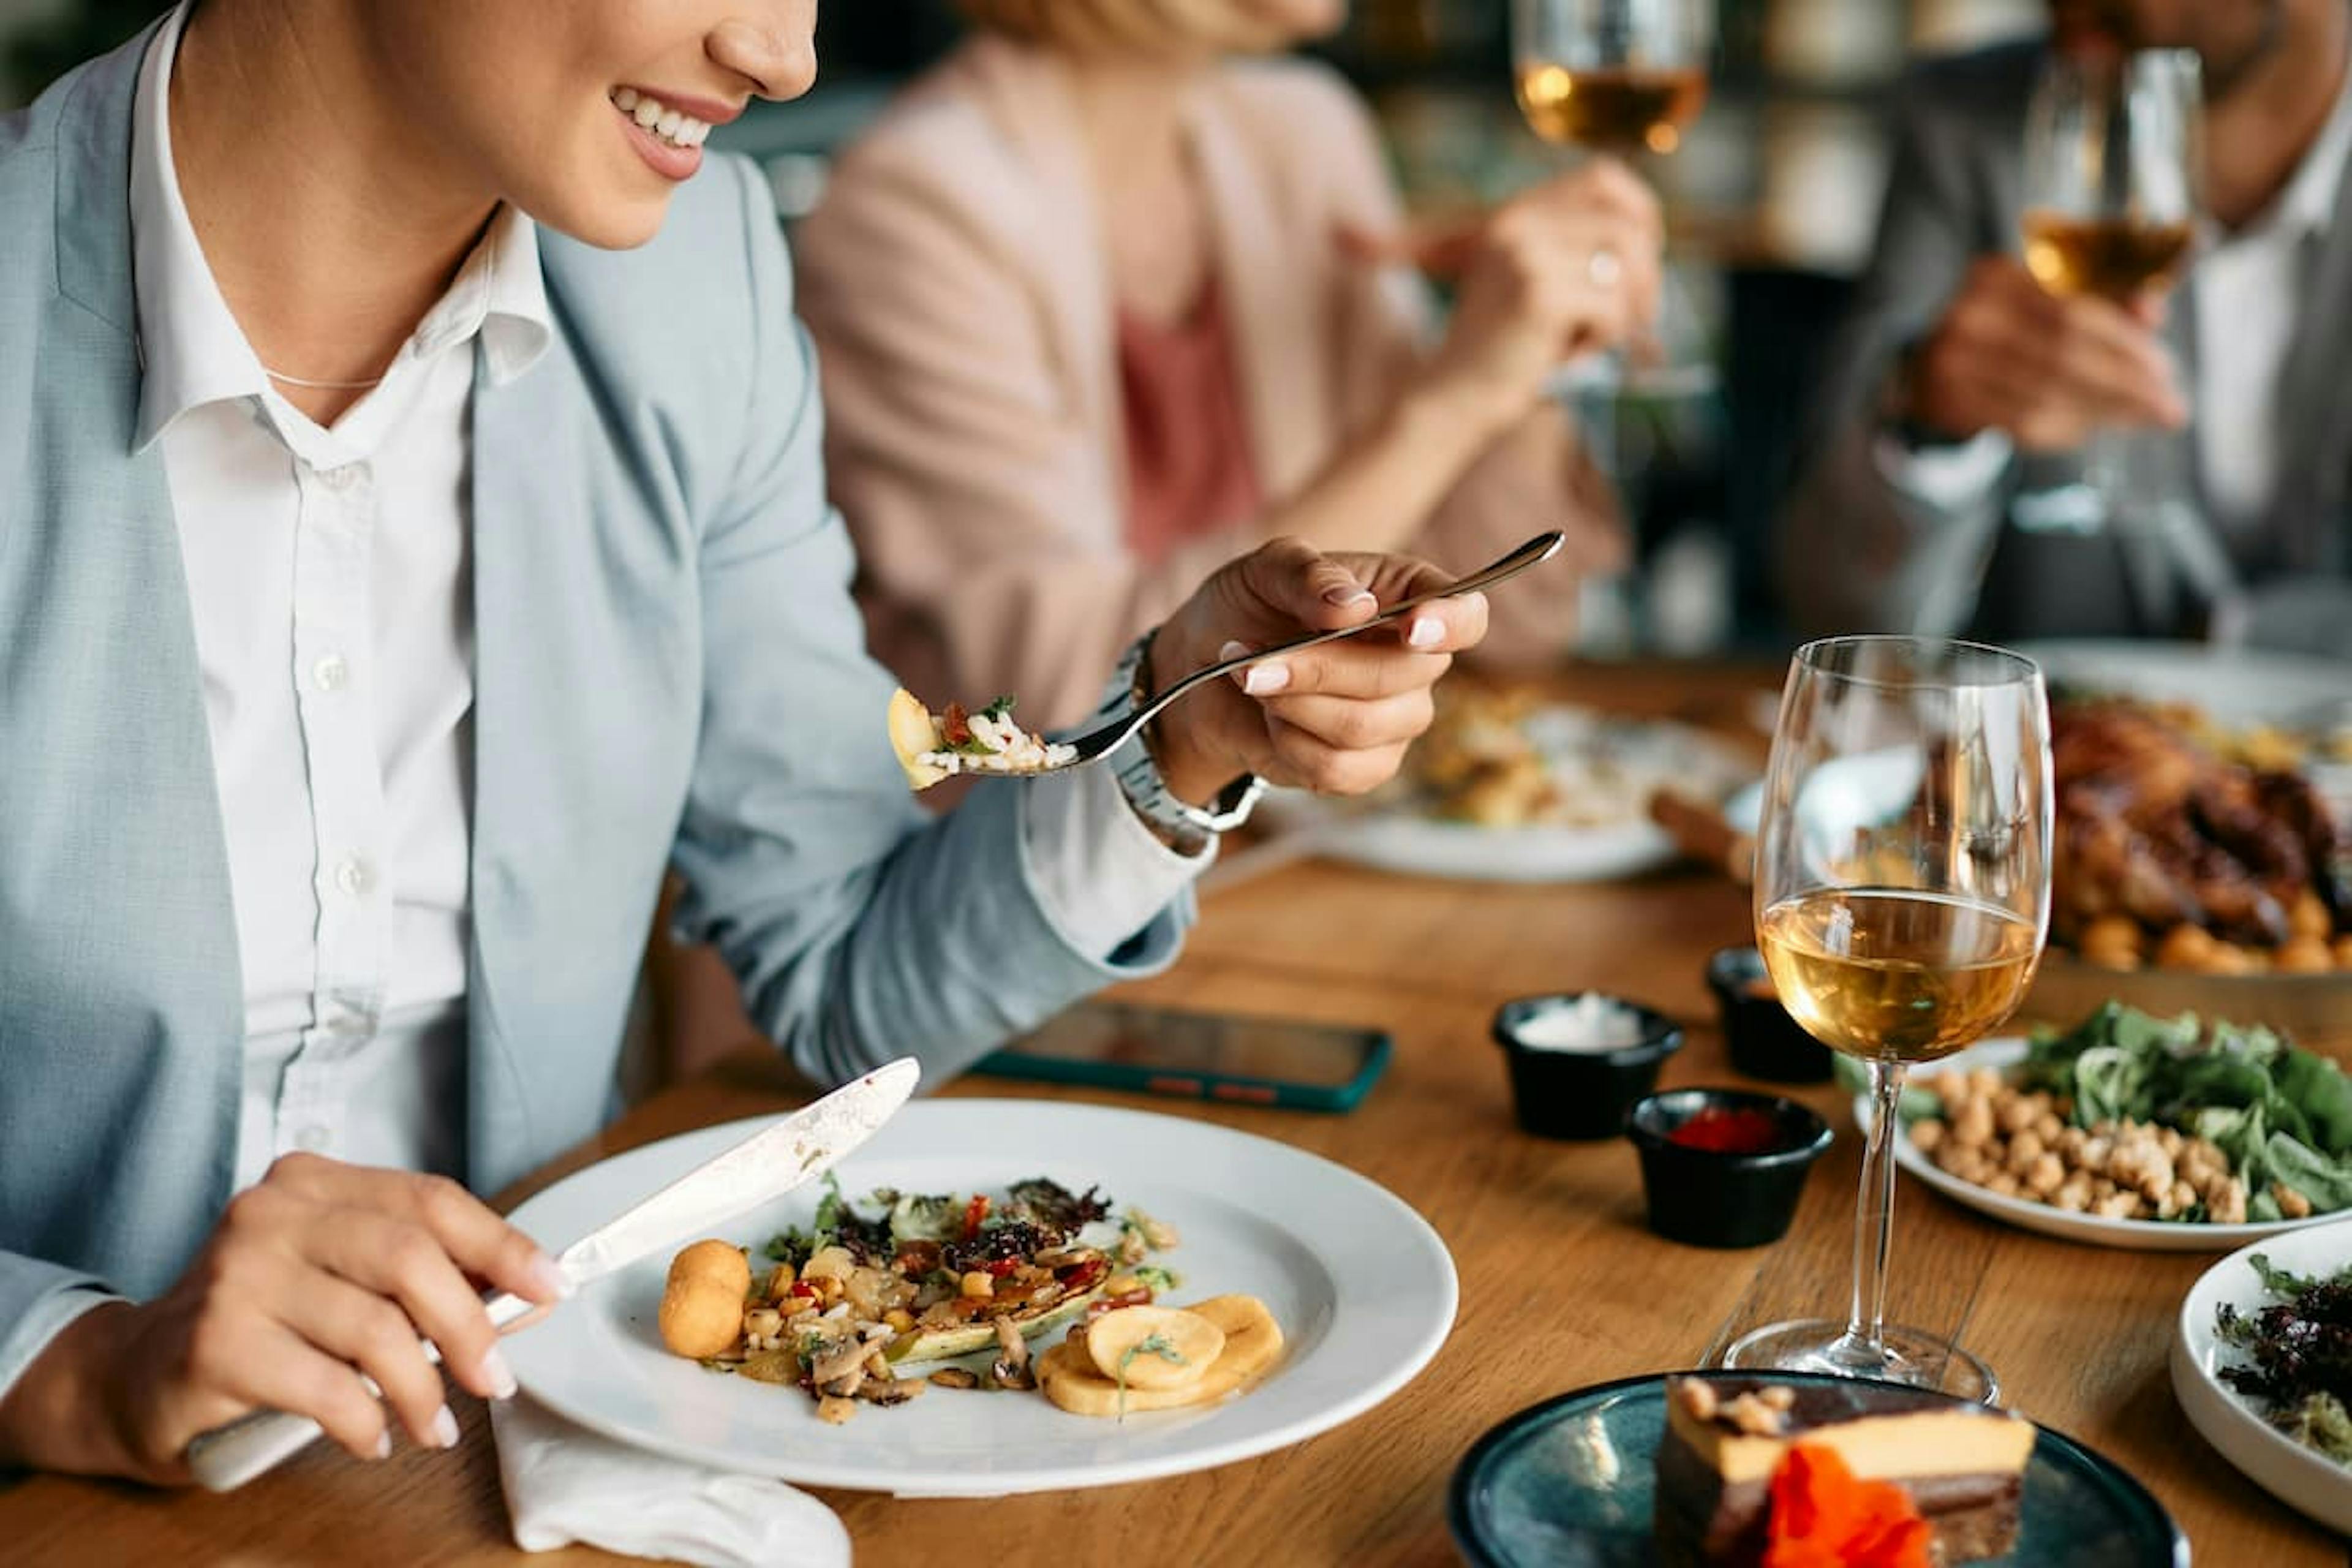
(1708, 1197)
(1579, 1094)
(1764, 1041)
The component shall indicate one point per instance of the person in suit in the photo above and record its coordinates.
(1959, 385)
(1117, 291)
(413, 539)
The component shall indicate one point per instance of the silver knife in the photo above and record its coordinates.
(768, 1164)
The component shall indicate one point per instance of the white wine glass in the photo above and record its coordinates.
(2114, 184)
(1625, 77)
(1902, 901)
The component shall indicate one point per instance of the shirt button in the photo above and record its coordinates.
(313, 1138)
(353, 877)
(330, 672)
(342, 478)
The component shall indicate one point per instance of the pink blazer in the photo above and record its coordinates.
(955, 281)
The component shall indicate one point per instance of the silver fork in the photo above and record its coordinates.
(1095, 744)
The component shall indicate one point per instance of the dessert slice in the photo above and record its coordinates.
(1727, 1435)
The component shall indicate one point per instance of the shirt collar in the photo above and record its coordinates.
(188, 343)
(2307, 205)
(191, 349)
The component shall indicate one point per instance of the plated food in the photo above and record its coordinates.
(1501, 756)
(936, 746)
(1753, 1469)
(2145, 1123)
(2258, 1366)
(1511, 787)
(1362, 1288)
(860, 1308)
(1630, 1472)
(2176, 849)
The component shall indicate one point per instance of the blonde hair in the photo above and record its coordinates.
(1128, 26)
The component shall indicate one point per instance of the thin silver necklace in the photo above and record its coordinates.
(322, 385)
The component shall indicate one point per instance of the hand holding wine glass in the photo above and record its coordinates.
(1616, 76)
(2114, 173)
(1902, 901)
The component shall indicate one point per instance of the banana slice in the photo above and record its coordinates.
(914, 731)
(1253, 1342)
(1160, 1347)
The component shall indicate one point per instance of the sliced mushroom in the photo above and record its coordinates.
(1011, 1369)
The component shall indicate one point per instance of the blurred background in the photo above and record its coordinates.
(1772, 201)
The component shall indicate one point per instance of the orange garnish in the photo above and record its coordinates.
(1822, 1517)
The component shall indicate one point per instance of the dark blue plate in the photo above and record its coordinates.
(1568, 1483)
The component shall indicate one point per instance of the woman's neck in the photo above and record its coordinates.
(325, 216)
(1131, 115)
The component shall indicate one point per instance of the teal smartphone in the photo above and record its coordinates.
(1200, 1056)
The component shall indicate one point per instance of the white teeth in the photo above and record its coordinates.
(680, 130)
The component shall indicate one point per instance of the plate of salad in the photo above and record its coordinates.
(2173, 1134)
(1361, 1288)
(2262, 1363)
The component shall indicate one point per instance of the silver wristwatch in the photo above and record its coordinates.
(1187, 827)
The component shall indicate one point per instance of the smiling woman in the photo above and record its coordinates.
(412, 541)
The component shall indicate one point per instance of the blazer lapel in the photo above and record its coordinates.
(2315, 453)
(1027, 97)
(1276, 312)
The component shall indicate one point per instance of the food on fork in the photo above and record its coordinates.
(1729, 1437)
(932, 747)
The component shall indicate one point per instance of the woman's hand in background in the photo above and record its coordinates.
(1568, 267)
(1337, 718)
(316, 1274)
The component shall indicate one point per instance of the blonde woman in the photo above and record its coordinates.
(1101, 301)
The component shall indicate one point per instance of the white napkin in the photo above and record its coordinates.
(564, 1483)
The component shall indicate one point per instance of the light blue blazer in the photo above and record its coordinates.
(669, 671)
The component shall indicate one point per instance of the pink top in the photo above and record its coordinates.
(1189, 470)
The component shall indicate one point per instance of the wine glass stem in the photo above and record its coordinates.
(1874, 1215)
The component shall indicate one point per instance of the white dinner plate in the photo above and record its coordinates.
(2136, 1234)
(1362, 1285)
(1390, 834)
(2301, 1478)
(2234, 686)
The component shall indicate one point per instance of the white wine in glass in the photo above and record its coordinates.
(1620, 77)
(1902, 902)
(2114, 175)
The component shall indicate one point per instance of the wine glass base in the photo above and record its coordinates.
(1911, 1356)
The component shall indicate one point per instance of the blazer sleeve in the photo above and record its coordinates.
(1539, 475)
(989, 516)
(38, 1301)
(1858, 549)
(861, 928)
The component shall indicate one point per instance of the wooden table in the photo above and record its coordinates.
(1561, 1284)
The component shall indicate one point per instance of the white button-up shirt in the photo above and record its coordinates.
(2250, 286)
(331, 592)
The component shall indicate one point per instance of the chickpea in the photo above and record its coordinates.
(2003, 1182)
(2183, 1198)
(2049, 1128)
(2047, 1177)
(1986, 1082)
(1973, 1126)
(2023, 1151)
(1927, 1134)
(2291, 1203)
